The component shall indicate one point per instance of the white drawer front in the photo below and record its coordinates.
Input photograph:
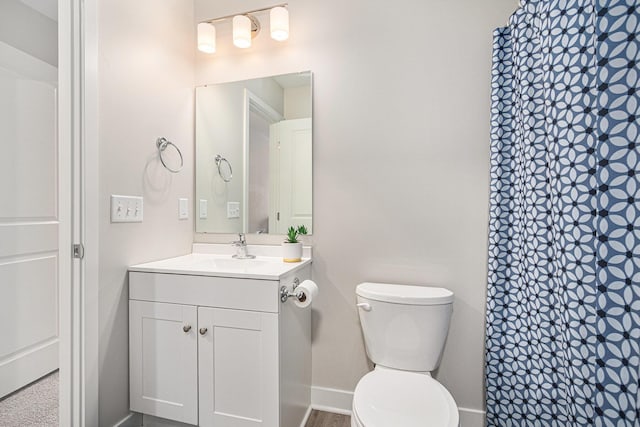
(223, 292)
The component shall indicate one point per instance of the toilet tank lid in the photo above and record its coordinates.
(404, 294)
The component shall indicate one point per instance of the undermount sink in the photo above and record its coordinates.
(206, 264)
(233, 263)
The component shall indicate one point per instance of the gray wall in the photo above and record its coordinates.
(146, 57)
(401, 125)
(401, 160)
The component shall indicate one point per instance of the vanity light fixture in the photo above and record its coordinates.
(246, 26)
(279, 22)
(242, 31)
(206, 37)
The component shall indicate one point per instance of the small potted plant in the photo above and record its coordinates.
(292, 248)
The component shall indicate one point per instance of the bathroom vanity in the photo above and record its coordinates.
(211, 343)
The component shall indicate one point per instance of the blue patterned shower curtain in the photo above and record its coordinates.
(563, 309)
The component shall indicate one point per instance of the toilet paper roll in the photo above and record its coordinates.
(309, 291)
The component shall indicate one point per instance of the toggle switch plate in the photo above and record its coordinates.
(126, 208)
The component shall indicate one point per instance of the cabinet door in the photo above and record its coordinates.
(164, 360)
(238, 360)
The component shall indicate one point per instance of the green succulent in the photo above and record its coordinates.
(293, 233)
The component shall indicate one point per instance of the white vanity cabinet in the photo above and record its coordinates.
(238, 368)
(163, 362)
(219, 351)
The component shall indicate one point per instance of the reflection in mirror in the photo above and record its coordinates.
(254, 155)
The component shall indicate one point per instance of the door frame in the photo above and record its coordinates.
(78, 208)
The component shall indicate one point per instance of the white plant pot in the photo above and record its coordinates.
(292, 252)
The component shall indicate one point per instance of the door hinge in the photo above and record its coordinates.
(278, 216)
(78, 251)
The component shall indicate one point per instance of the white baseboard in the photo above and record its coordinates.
(26, 366)
(151, 421)
(306, 416)
(331, 400)
(471, 417)
(132, 420)
(340, 402)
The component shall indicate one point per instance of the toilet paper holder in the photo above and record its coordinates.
(285, 294)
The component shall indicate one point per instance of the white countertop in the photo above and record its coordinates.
(215, 265)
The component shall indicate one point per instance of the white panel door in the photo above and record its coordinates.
(163, 365)
(28, 220)
(238, 360)
(291, 175)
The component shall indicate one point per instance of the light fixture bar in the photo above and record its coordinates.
(224, 18)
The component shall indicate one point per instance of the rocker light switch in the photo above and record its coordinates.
(203, 209)
(183, 208)
(233, 209)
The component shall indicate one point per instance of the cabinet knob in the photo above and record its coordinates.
(186, 328)
(203, 331)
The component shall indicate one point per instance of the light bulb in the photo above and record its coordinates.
(279, 23)
(206, 37)
(241, 31)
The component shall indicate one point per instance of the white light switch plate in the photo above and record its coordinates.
(233, 209)
(183, 208)
(203, 209)
(126, 208)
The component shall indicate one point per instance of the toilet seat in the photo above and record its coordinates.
(387, 397)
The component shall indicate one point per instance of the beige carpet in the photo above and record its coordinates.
(33, 405)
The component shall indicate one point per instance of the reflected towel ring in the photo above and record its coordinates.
(219, 159)
(162, 144)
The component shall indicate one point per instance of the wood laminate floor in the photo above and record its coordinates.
(327, 419)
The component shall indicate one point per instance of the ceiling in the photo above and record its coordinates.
(293, 80)
(48, 8)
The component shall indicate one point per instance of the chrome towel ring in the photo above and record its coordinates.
(162, 144)
(219, 159)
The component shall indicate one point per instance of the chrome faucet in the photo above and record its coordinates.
(241, 248)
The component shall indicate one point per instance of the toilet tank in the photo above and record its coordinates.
(404, 327)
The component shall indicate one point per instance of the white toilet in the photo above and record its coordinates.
(404, 328)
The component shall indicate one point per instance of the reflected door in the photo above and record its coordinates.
(291, 175)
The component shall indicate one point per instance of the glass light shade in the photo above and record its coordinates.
(206, 37)
(241, 31)
(279, 23)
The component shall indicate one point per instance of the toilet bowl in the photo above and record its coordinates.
(404, 328)
(385, 398)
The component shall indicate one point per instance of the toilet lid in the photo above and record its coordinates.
(404, 294)
(403, 399)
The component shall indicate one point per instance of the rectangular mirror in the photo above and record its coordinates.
(254, 155)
